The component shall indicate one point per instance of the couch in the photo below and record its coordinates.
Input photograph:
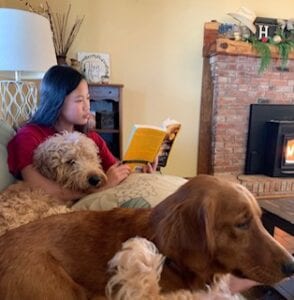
(138, 190)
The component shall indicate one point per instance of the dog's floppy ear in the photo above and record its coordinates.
(46, 161)
(206, 219)
(185, 222)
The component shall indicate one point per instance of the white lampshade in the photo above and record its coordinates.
(26, 44)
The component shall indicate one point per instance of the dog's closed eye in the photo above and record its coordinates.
(70, 162)
(243, 225)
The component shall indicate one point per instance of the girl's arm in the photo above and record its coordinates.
(151, 168)
(31, 176)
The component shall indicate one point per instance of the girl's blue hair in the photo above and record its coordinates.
(58, 82)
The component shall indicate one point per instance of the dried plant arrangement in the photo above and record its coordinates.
(64, 34)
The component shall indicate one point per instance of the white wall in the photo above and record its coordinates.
(156, 52)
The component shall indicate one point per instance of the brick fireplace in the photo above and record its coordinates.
(231, 83)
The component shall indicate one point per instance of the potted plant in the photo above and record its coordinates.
(63, 33)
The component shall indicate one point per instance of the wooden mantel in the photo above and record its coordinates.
(213, 44)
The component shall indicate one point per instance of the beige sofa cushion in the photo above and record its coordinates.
(138, 191)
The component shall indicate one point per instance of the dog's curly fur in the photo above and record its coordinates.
(137, 269)
(70, 159)
(208, 226)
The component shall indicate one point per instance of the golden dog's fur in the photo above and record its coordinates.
(137, 269)
(70, 159)
(208, 226)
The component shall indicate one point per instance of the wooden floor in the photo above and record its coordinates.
(285, 239)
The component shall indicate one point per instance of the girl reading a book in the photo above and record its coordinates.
(64, 106)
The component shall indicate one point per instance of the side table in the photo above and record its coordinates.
(278, 213)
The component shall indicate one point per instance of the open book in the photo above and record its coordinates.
(146, 142)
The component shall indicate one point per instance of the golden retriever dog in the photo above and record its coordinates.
(208, 226)
(70, 159)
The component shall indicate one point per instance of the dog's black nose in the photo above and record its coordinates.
(94, 180)
(288, 268)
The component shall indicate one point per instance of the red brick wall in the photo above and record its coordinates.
(236, 85)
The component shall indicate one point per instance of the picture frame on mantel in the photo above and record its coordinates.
(95, 66)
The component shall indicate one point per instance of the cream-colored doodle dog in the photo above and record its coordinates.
(70, 159)
(137, 270)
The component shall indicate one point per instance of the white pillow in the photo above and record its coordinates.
(5, 177)
(6, 133)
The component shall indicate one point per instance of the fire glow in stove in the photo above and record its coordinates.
(270, 144)
(279, 151)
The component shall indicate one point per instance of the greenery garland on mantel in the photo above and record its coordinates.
(284, 44)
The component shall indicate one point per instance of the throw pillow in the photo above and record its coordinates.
(6, 133)
(137, 191)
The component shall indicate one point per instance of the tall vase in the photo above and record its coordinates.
(61, 60)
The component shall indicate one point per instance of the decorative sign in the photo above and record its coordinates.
(95, 66)
(265, 27)
(270, 27)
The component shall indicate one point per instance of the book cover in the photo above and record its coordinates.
(172, 128)
(148, 142)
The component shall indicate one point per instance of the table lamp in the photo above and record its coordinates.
(26, 52)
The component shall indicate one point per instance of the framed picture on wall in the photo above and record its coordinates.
(95, 66)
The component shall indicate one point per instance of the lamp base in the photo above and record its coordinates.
(18, 101)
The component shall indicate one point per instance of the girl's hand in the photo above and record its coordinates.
(116, 174)
(151, 168)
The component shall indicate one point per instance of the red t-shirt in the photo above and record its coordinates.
(28, 138)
